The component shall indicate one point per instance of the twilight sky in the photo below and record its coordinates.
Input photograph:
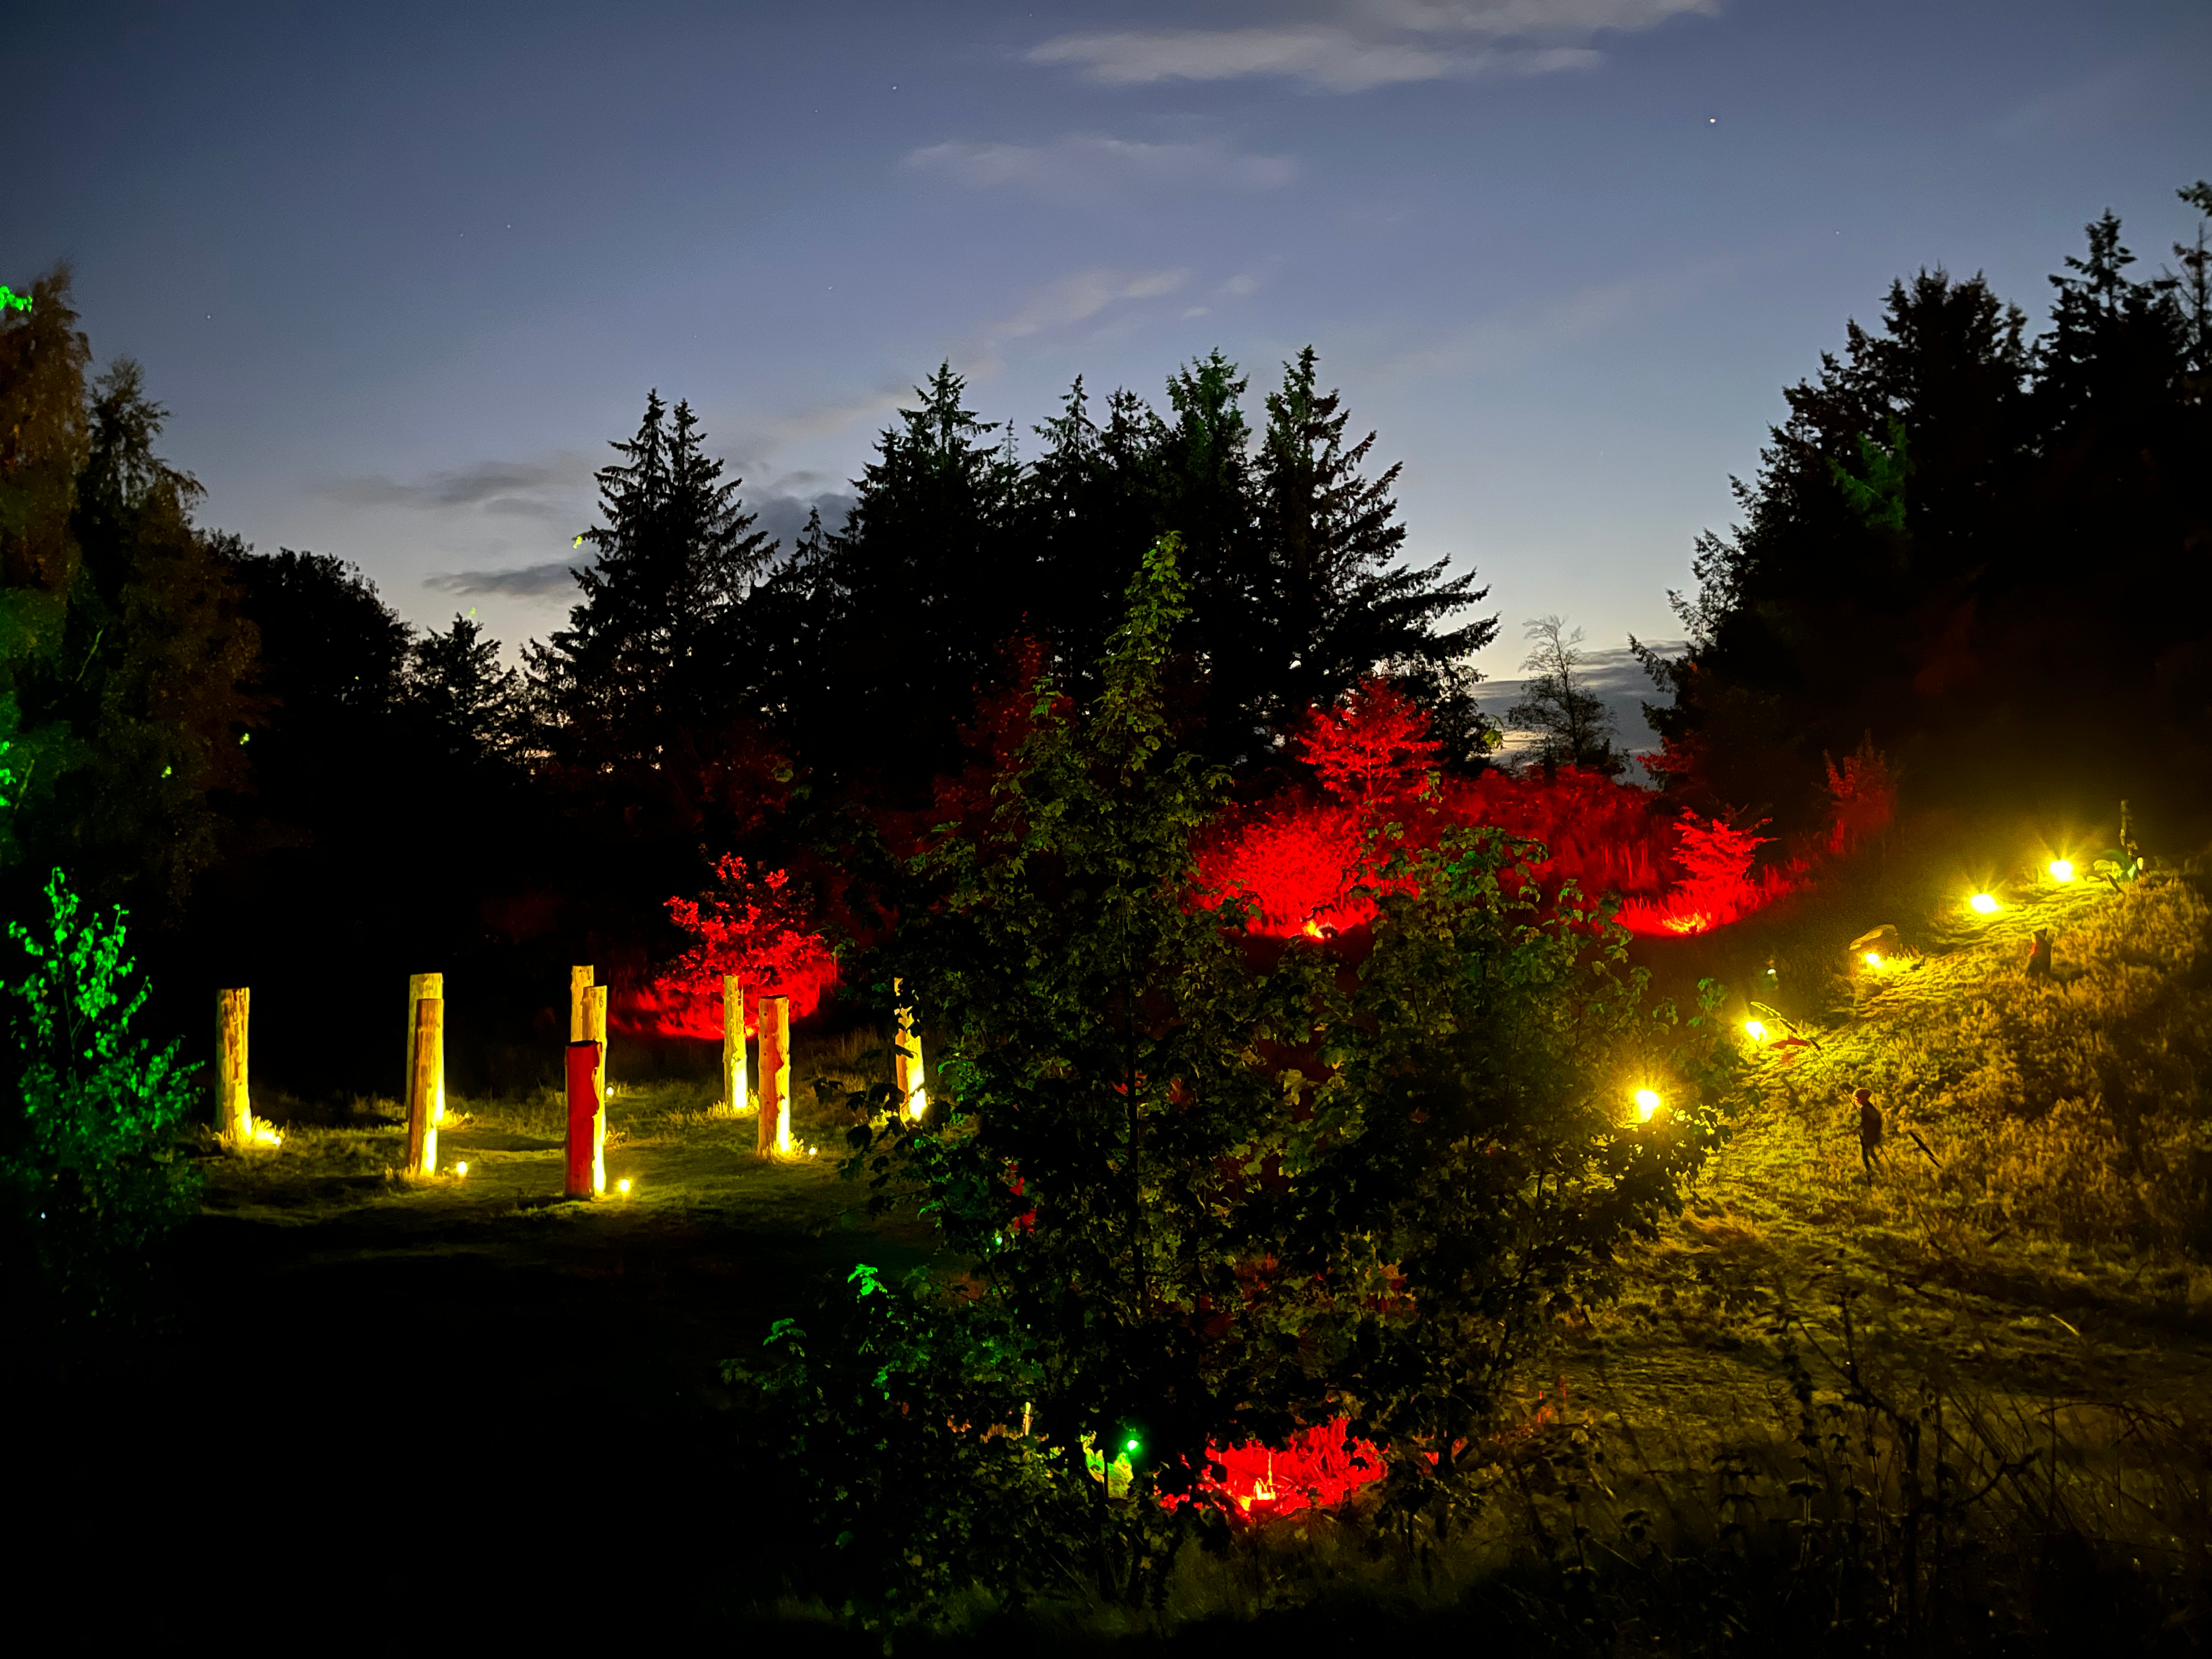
(400, 270)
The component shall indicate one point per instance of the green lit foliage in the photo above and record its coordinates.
(1473, 1157)
(90, 1160)
(1204, 1196)
(895, 1413)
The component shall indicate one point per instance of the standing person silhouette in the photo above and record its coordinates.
(1869, 1130)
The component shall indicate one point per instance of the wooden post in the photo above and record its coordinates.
(429, 1047)
(584, 1116)
(774, 1025)
(420, 986)
(233, 1106)
(906, 1074)
(580, 981)
(595, 1032)
(736, 1087)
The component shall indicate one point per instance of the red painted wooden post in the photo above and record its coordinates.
(583, 1117)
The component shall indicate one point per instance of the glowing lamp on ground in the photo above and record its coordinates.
(2061, 869)
(1755, 1030)
(1983, 904)
(1647, 1103)
(623, 1186)
(1873, 959)
(462, 1169)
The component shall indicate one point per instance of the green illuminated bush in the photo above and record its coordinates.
(89, 1161)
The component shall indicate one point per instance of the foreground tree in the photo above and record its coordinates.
(1199, 1203)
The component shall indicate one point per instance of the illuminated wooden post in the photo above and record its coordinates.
(595, 1033)
(775, 1024)
(584, 1118)
(906, 1074)
(580, 981)
(736, 1087)
(233, 1106)
(430, 1050)
(580, 985)
(420, 986)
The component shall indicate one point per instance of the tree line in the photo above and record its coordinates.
(1979, 551)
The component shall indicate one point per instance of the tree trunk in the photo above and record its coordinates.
(736, 1086)
(420, 986)
(595, 1032)
(233, 1105)
(775, 1076)
(429, 1051)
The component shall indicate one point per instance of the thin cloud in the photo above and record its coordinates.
(496, 486)
(1357, 46)
(532, 581)
(1080, 166)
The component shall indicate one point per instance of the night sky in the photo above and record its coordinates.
(400, 271)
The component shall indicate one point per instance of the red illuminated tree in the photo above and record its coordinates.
(1373, 746)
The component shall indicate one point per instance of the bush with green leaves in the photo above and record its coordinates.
(90, 1160)
(1208, 1192)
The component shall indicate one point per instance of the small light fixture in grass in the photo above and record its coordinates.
(1647, 1103)
(1983, 904)
(1873, 959)
(2061, 869)
(461, 1170)
(623, 1186)
(1755, 1030)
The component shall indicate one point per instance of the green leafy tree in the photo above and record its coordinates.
(1199, 1201)
(122, 645)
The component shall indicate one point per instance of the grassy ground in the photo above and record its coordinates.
(527, 1388)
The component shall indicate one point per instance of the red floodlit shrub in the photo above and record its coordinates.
(1862, 799)
(1373, 747)
(1320, 1466)
(753, 927)
(1716, 886)
(1300, 859)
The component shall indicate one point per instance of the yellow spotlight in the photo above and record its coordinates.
(1755, 1030)
(2061, 869)
(623, 1186)
(1982, 904)
(1874, 958)
(461, 1170)
(1647, 1102)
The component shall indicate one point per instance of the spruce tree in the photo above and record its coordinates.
(1331, 604)
(1089, 508)
(917, 594)
(640, 670)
